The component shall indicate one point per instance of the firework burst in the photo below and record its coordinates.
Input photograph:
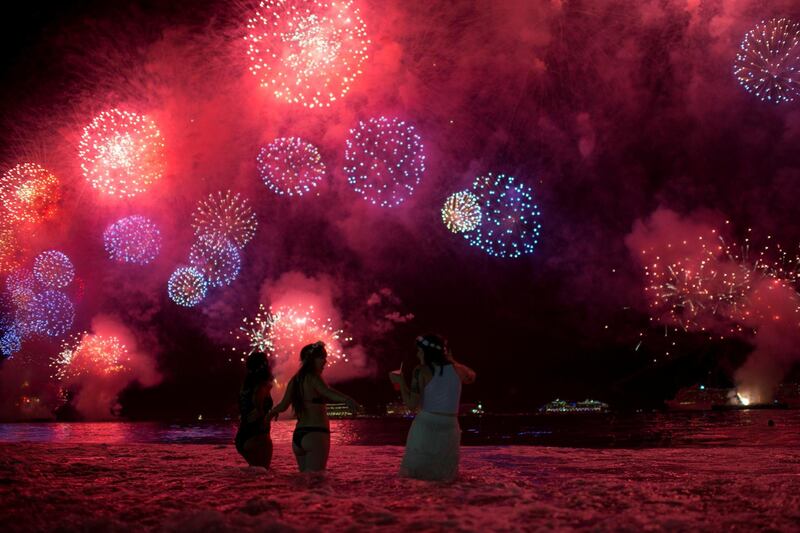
(217, 259)
(10, 342)
(384, 160)
(461, 212)
(290, 166)
(281, 332)
(306, 52)
(768, 62)
(134, 239)
(50, 313)
(709, 284)
(21, 286)
(29, 193)
(122, 153)
(53, 269)
(87, 354)
(187, 287)
(510, 220)
(11, 249)
(226, 216)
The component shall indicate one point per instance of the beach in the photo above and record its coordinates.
(202, 487)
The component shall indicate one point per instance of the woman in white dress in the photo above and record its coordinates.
(432, 446)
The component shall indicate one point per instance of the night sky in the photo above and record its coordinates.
(615, 113)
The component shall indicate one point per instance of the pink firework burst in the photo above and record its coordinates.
(307, 52)
(88, 354)
(122, 153)
(282, 331)
(289, 166)
(225, 215)
(29, 193)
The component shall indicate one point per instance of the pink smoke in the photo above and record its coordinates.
(771, 306)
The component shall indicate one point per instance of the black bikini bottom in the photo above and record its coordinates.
(302, 431)
(247, 431)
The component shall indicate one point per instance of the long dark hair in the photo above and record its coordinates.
(434, 351)
(309, 354)
(258, 371)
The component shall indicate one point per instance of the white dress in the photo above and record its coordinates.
(432, 446)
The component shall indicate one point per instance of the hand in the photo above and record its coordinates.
(273, 414)
(396, 376)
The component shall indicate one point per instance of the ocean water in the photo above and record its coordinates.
(718, 471)
(633, 430)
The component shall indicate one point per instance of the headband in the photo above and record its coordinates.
(429, 344)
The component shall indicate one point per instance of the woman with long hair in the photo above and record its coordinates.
(252, 439)
(308, 393)
(432, 445)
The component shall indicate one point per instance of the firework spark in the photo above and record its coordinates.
(90, 354)
(50, 313)
(53, 269)
(281, 332)
(290, 166)
(11, 250)
(768, 62)
(307, 52)
(227, 216)
(510, 220)
(710, 284)
(384, 160)
(187, 287)
(29, 193)
(122, 153)
(217, 259)
(461, 212)
(134, 239)
(10, 342)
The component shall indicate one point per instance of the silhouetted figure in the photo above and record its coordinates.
(252, 439)
(307, 393)
(432, 446)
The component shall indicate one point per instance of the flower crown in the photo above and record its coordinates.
(424, 342)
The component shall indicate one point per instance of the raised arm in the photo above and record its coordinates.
(465, 373)
(320, 387)
(413, 394)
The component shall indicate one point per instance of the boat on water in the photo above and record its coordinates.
(702, 398)
(563, 407)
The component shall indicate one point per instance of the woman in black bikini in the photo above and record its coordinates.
(307, 393)
(252, 440)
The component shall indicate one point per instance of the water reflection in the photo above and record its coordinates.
(743, 428)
